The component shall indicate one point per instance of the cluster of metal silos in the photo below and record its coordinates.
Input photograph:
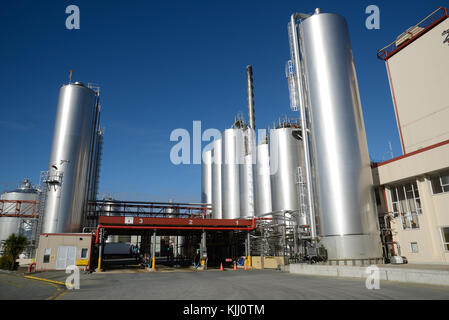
(255, 181)
(317, 171)
(74, 159)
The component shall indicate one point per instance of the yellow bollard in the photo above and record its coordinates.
(99, 264)
(249, 261)
(153, 263)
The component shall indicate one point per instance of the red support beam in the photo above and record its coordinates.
(180, 222)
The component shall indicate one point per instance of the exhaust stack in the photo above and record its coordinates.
(251, 117)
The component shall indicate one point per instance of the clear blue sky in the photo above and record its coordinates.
(162, 65)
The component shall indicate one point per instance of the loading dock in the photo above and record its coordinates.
(212, 240)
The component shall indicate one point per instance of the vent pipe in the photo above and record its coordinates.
(249, 78)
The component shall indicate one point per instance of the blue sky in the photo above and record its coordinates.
(161, 65)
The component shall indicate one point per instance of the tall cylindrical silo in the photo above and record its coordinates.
(216, 179)
(246, 174)
(10, 225)
(262, 182)
(206, 177)
(231, 155)
(68, 174)
(341, 164)
(286, 161)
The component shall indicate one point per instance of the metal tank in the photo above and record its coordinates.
(216, 179)
(246, 175)
(340, 158)
(232, 156)
(10, 225)
(70, 158)
(111, 207)
(262, 182)
(206, 177)
(286, 157)
(286, 161)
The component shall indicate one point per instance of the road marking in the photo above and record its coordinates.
(59, 291)
(60, 295)
(46, 280)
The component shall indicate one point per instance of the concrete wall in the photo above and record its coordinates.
(53, 241)
(423, 276)
(419, 81)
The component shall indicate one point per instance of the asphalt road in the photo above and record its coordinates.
(212, 285)
(16, 287)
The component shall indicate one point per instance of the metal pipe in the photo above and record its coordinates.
(100, 249)
(304, 127)
(203, 250)
(153, 251)
(248, 254)
(249, 79)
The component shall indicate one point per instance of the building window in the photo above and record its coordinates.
(84, 252)
(445, 236)
(406, 203)
(47, 253)
(414, 247)
(440, 183)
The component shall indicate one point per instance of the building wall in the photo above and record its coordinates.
(435, 207)
(420, 163)
(428, 235)
(419, 81)
(53, 241)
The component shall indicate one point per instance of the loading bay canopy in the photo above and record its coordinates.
(167, 218)
(170, 226)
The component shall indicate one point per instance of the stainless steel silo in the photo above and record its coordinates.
(262, 181)
(216, 179)
(232, 156)
(70, 158)
(341, 164)
(10, 225)
(246, 174)
(206, 177)
(285, 158)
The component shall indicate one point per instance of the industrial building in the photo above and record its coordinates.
(414, 187)
(303, 193)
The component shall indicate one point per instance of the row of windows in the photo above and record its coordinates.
(406, 203)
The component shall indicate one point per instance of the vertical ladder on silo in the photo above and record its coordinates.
(40, 211)
(302, 197)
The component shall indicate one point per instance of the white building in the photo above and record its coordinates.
(414, 187)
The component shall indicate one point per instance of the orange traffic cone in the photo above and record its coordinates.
(221, 266)
(246, 267)
(235, 266)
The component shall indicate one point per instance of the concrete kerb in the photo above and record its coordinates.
(421, 276)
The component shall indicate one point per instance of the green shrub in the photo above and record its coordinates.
(12, 248)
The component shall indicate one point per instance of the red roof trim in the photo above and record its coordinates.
(413, 153)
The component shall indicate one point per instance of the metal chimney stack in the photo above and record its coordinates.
(251, 117)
